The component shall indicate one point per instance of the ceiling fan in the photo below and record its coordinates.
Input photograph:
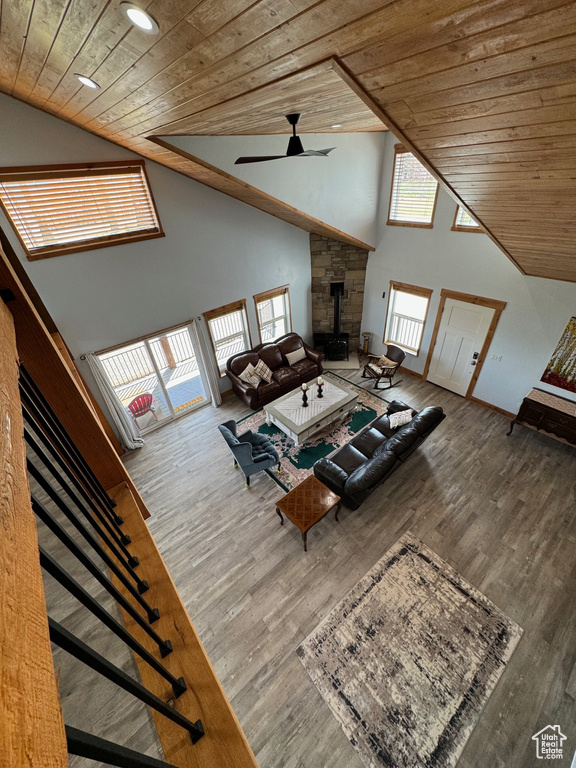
(295, 148)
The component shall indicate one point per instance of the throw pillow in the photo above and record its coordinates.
(294, 357)
(250, 376)
(400, 417)
(385, 362)
(263, 371)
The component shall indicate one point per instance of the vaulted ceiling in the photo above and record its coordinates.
(483, 92)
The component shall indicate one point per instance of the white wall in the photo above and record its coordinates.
(216, 249)
(535, 316)
(341, 189)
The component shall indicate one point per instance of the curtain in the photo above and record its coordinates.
(212, 372)
(127, 430)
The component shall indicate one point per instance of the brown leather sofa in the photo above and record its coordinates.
(360, 466)
(285, 377)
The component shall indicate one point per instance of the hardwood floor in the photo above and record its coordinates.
(499, 509)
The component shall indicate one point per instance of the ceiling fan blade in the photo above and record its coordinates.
(257, 159)
(316, 152)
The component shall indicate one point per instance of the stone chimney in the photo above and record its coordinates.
(336, 262)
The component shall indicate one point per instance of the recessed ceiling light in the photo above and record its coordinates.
(86, 80)
(139, 18)
(337, 125)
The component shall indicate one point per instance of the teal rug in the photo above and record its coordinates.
(298, 461)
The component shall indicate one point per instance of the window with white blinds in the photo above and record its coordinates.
(414, 192)
(463, 222)
(62, 210)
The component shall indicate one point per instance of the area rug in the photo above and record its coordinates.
(297, 462)
(409, 658)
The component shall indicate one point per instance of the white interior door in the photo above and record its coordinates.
(460, 339)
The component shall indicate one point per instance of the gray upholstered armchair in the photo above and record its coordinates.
(252, 452)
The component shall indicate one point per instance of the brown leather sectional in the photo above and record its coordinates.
(285, 377)
(360, 466)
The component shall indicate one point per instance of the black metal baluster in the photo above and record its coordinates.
(73, 645)
(164, 645)
(142, 586)
(94, 748)
(127, 560)
(49, 441)
(38, 419)
(54, 569)
(45, 406)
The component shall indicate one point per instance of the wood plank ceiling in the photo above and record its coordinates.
(483, 90)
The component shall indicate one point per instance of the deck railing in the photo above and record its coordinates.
(126, 367)
(130, 365)
(406, 331)
(229, 336)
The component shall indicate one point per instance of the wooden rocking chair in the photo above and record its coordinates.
(375, 370)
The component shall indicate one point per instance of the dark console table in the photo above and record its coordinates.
(549, 413)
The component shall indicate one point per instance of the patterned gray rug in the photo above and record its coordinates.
(407, 661)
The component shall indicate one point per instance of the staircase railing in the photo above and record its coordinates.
(92, 522)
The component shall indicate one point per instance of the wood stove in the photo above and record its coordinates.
(336, 343)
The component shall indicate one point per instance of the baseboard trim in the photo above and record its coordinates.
(491, 407)
(412, 373)
(227, 393)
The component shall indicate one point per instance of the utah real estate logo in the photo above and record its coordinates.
(549, 743)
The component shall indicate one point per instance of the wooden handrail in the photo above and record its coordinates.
(31, 725)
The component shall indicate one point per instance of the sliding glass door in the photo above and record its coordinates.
(158, 378)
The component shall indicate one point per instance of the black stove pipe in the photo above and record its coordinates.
(336, 290)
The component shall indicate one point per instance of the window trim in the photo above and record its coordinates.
(460, 227)
(400, 149)
(92, 169)
(227, 309)
(282, 290)
(415, 290)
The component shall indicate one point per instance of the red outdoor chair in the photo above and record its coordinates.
(141, 405)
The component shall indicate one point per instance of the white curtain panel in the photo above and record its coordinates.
(212, 372)
(127, 430)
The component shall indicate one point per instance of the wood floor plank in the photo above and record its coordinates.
(497, 509)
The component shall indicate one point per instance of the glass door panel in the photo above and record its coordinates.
(181, 374)
(137, 385)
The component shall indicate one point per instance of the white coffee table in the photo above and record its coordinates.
(299, 423)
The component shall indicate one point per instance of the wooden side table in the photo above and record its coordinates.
(306, 504)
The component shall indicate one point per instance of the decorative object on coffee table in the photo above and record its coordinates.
(320, 385)
(307, 504)
(304, 395)
(409, 658)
